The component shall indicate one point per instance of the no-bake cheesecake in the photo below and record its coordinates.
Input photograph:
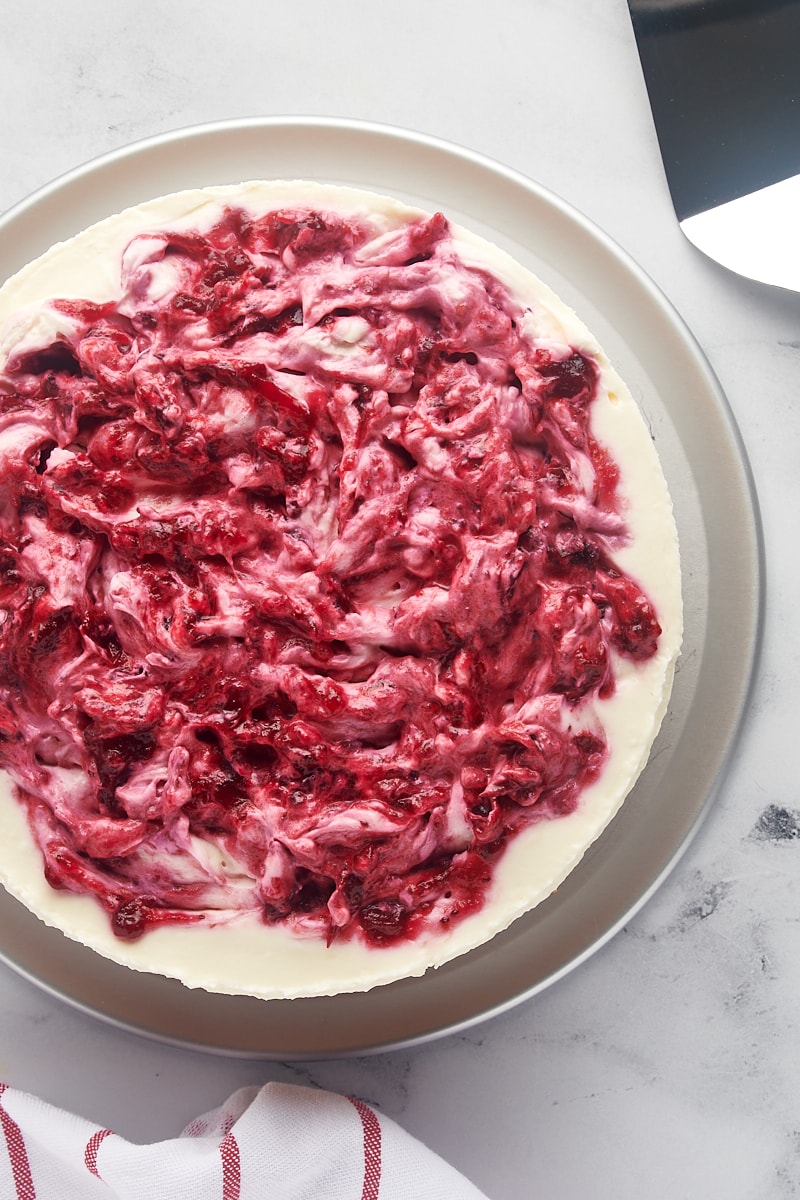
(339, 589)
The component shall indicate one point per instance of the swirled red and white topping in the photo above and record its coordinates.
(308, 581)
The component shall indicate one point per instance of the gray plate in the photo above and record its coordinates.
(722, 563)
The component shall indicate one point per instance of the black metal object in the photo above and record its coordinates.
(723, 77)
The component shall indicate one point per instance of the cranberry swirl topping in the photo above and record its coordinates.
(306, 579)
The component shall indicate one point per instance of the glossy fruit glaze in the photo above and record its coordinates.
(307, 579)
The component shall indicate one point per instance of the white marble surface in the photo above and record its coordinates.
(667, 1066)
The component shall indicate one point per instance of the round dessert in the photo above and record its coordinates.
(339, 589)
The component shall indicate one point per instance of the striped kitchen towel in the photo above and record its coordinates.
(278, 1142)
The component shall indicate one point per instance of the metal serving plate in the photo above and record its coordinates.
(722, 564)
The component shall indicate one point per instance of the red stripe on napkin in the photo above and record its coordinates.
(92, 1146)
(372, 1149)
(17, 1154)
(231, 1167)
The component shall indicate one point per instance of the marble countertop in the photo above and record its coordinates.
(666, 1066)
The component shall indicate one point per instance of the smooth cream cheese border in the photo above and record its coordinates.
(245, 957)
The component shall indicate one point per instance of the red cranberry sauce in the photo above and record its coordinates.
(306, 580)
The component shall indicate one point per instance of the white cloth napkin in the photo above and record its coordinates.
(279, 1142)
